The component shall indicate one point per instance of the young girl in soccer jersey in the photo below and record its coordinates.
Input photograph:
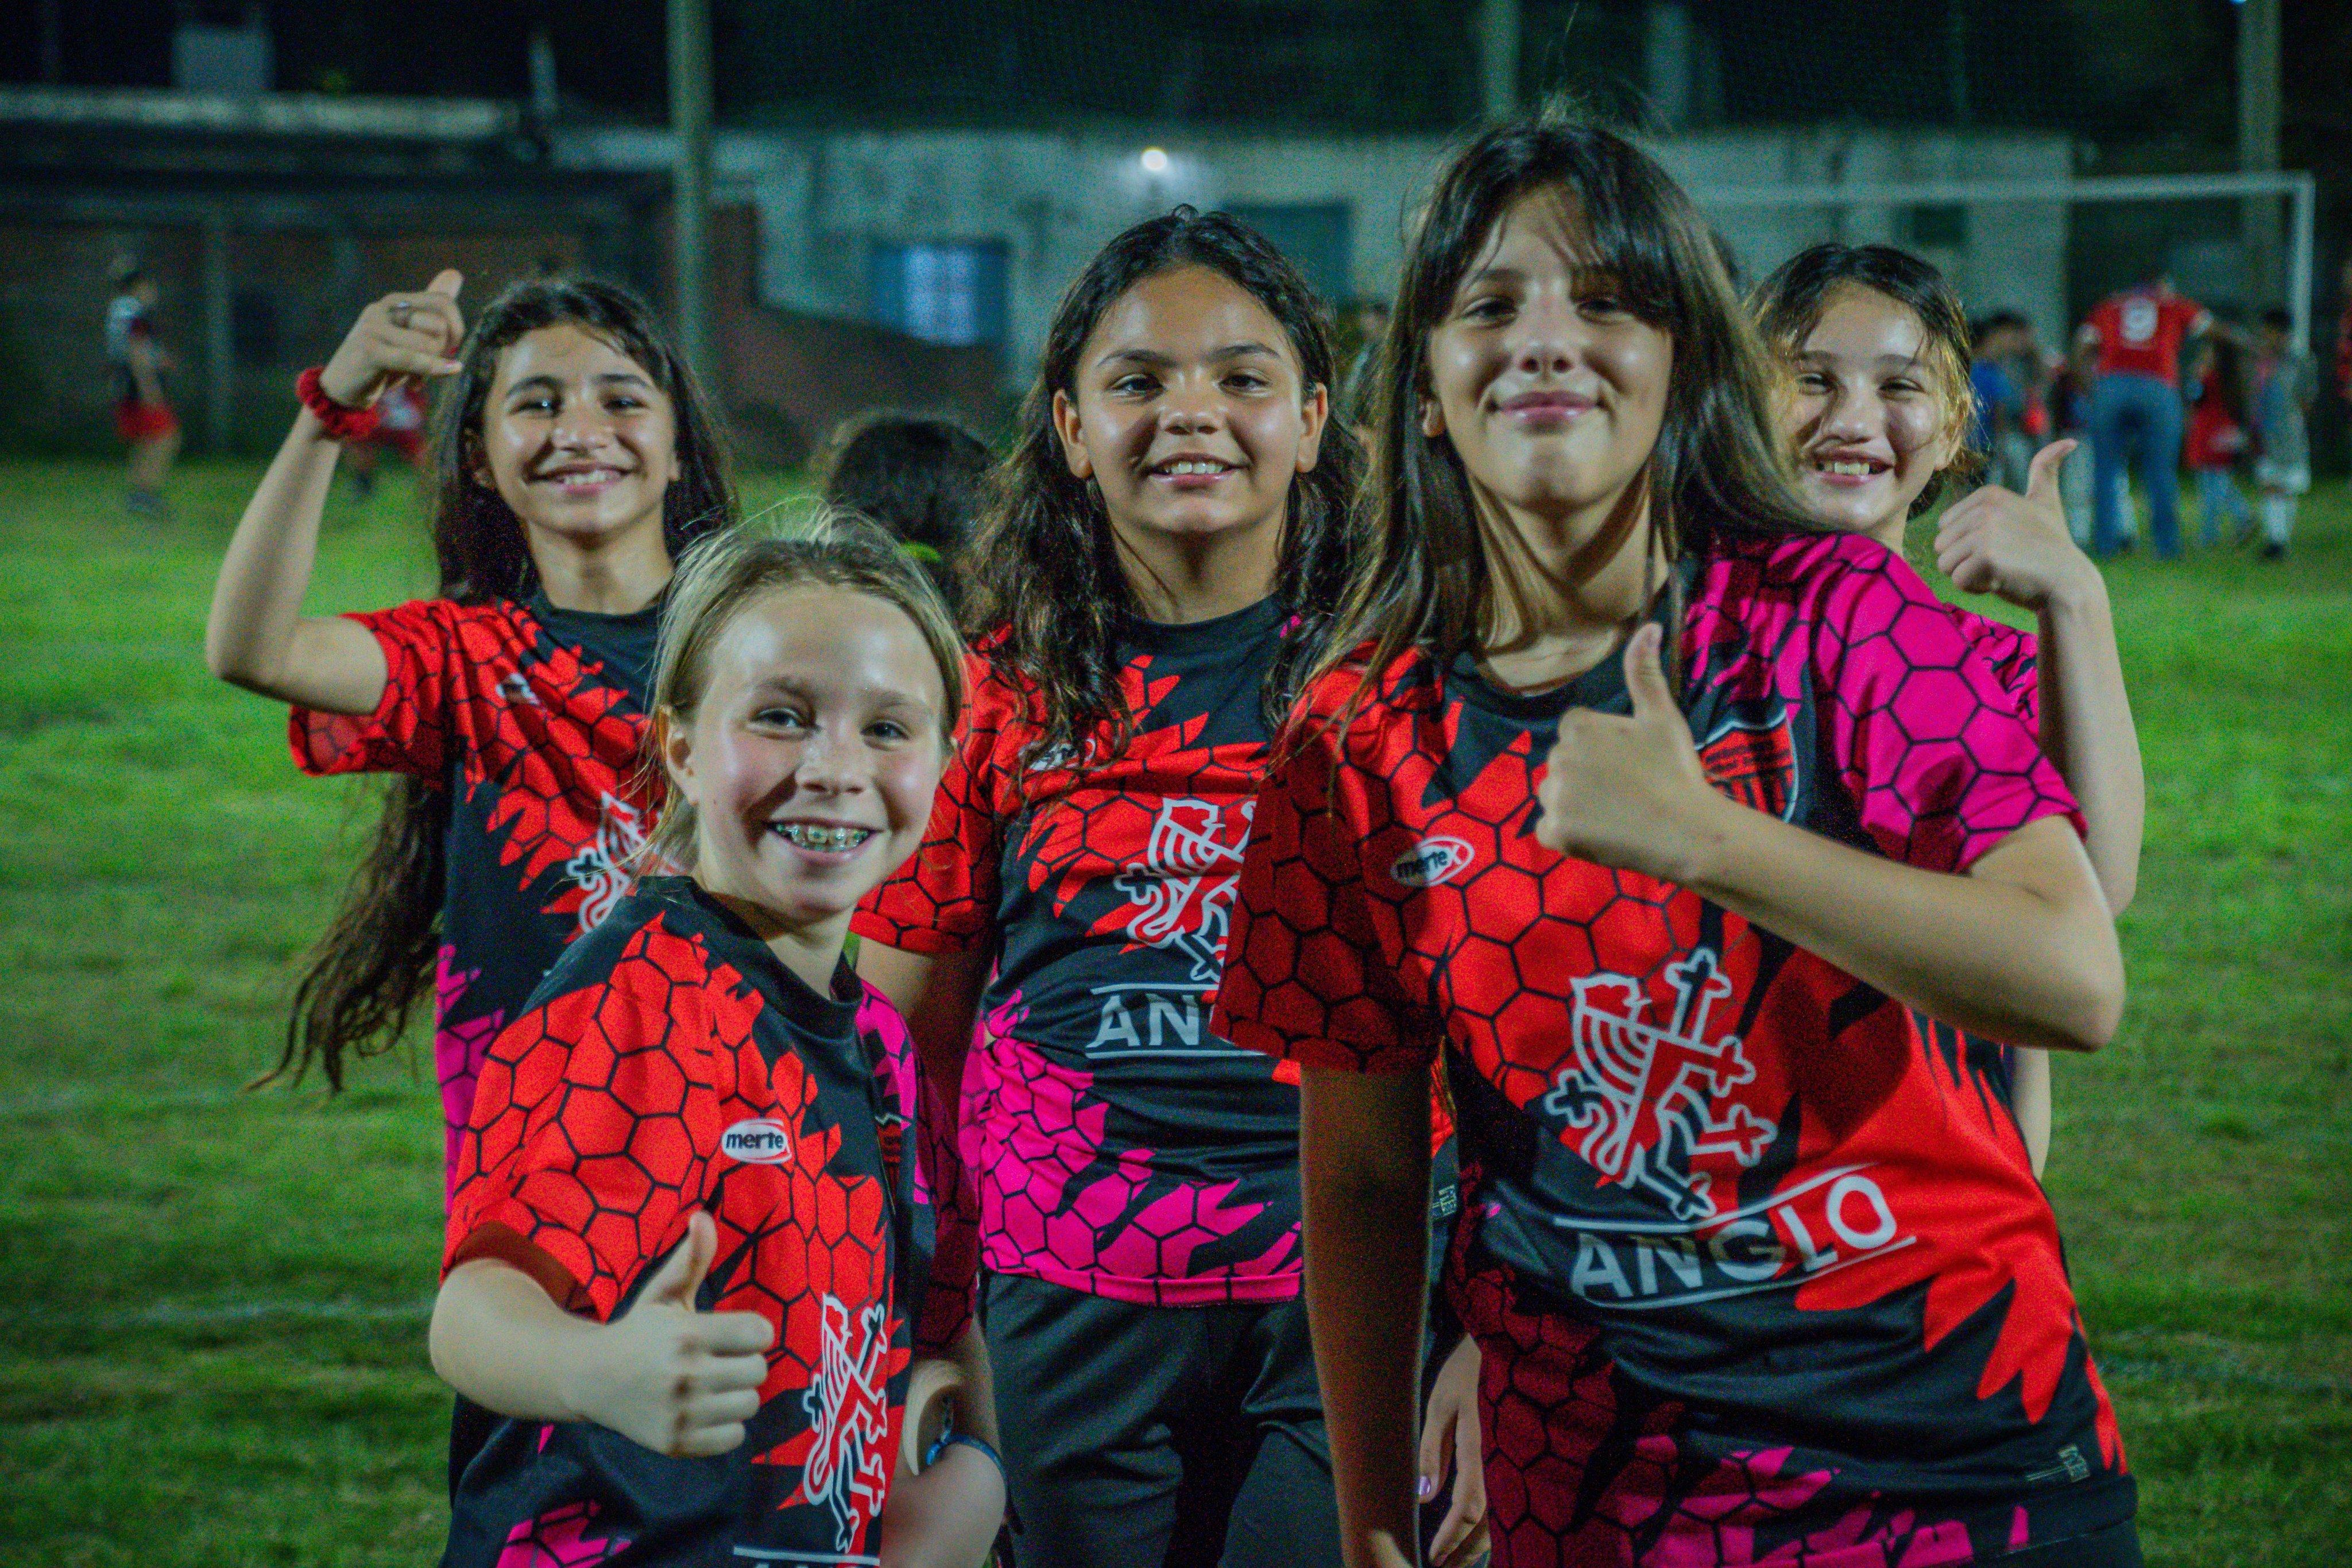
(1649, 804)
(575, 463)
(689, 1255)
(1874, 347)
(1160, 559)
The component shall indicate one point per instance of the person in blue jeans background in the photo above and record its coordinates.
(2136, 411)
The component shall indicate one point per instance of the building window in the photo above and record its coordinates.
(1943, 225)
(951, 293)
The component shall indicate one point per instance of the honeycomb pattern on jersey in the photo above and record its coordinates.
(1359, 944)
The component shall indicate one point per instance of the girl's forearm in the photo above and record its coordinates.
(500, 1341)
(1364, 1174)
(2019, 949)
(2088, 731)
(256, 637)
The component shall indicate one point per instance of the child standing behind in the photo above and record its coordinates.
(2286, 385)
(2216, 442)
(688, 1251)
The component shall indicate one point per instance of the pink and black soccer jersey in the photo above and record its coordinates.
(1759, 1275)
(671, 1063)
(530, 717)
(1119, 1146)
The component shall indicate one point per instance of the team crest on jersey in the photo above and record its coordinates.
(1181, 891)
(848, 1406)
(601, 868)
(1754, 761)
(1651, 1098)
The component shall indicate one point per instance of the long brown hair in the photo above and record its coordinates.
(1717, 470)
(1044, 567)
(376, 957)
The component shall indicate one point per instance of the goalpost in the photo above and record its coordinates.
(2299, 189)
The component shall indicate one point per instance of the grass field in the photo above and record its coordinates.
(211, 1320)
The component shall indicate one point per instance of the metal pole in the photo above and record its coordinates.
(2258, 140)
(689, 118)
(2299, 286)
(220, 346)
(1498, 56)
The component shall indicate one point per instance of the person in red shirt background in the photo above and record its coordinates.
(2136, 407)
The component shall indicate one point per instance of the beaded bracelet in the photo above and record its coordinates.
(339, 419)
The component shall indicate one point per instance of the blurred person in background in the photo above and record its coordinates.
(2217, 440)
(2001, 351)
(919, 476)
(2135, 411)
(2069, 401)
(2285, 383)
(400, 413)
(142, 415)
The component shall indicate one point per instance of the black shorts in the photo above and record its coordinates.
(1138, 1436)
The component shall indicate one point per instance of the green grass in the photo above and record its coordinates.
(211, 1320)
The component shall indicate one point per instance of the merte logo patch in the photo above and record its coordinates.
(763, 1141)
(1430, 862)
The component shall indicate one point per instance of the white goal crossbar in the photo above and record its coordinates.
(2300, 190)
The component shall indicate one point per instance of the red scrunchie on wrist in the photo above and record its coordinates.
(341, 421)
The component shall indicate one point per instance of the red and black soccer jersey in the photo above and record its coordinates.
(530, 717)
(1757, 1274)
(1119, 1146)
(2013, 656)
(670, 1063)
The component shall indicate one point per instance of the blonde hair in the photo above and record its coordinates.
(719, 576)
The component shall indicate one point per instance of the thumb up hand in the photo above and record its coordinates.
(1627, 790)
(679, 1380)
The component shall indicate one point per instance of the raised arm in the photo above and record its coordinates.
(2018, 547)
(256, 636)
(2020, 948)
(1363, 1172)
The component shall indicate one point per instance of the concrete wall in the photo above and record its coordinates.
(824, 198)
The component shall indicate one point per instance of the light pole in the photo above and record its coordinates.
(689, 120)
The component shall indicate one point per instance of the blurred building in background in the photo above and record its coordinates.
(904, 188)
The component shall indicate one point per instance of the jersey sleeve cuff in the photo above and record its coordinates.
(1312, 1050)
(928, 940)
(325, 743)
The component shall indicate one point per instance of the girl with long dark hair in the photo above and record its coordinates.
(1157, 563)
(572, 461)
(1875, 406)
(1640, 800)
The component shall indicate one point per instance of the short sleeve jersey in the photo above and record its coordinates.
(1688, 1146)
(2140, 333)
(529, 718)
(1120, 1147)
(671, 1063)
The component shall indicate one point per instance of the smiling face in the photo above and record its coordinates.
(576, 437)
(1550, 389)
(810, 758)
(1866, 417)
(1187, 410)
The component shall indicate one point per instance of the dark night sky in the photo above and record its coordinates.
(2150, 75)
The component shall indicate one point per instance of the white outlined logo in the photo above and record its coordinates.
(761, 1141)
(1430, 862)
